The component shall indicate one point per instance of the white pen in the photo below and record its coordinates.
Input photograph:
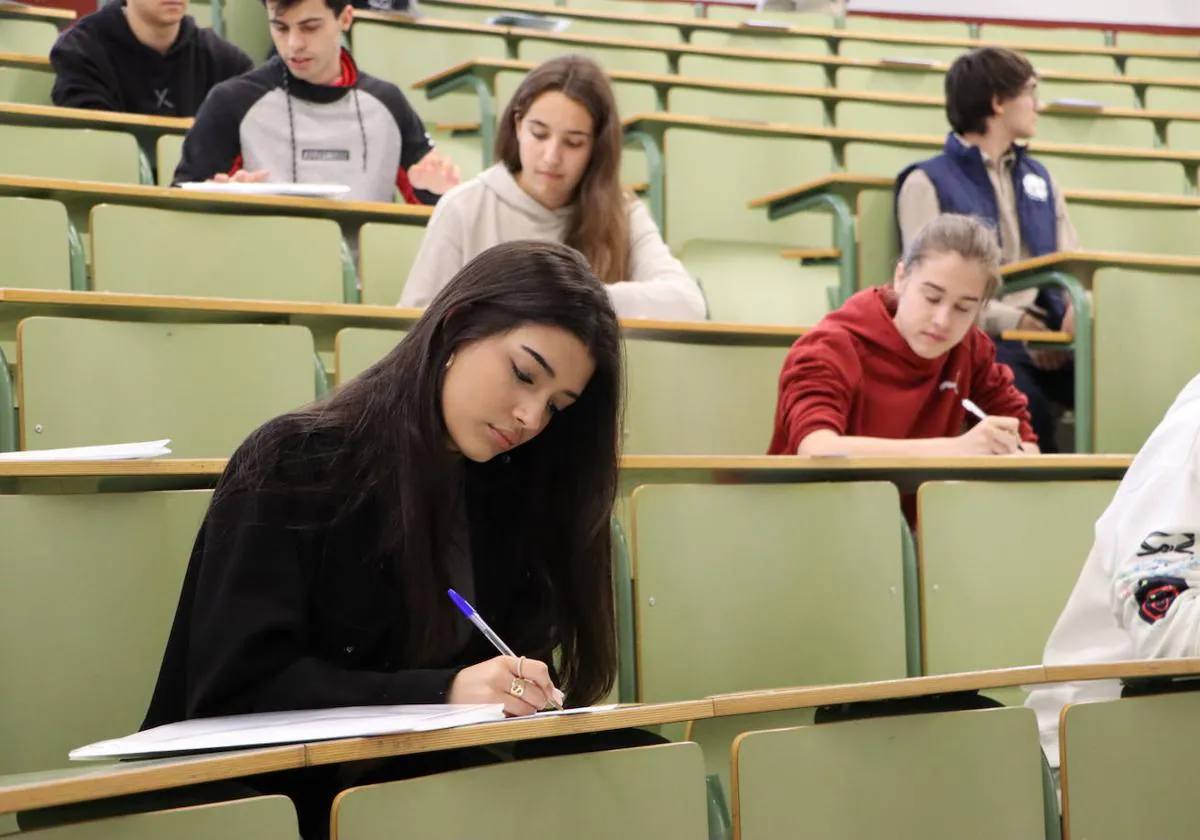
(978, 412)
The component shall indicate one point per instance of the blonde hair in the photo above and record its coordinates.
(967, 236)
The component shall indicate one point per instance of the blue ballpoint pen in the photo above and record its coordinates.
(466, 609)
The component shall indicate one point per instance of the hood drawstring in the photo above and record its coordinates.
(362, 128)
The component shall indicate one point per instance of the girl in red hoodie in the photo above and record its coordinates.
(886, 374)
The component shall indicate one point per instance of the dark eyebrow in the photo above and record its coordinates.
(572, 131)
(541, 360)
(298, 23)
(940, 290)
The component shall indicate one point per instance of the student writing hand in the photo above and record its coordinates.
(991, 436)
(1047, 359)
(492, 681)
(242, 176)
(434, 173)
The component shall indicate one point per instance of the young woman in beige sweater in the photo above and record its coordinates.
(559, 153)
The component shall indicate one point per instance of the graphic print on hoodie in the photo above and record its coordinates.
(856, 375)
(99, 64)
(360, 132)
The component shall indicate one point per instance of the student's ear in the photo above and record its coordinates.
(346, 17)
(899, 280)
(997, 106)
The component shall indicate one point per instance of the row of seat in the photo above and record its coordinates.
(832, 595)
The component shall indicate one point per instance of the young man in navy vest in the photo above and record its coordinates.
(991, 102)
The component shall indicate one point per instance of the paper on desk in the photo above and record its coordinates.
(108, 452)
(270, 728)
(580, 711)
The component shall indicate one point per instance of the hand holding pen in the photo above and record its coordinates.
(992, 435)
(521, 684)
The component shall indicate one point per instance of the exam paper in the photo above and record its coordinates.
(107, 452)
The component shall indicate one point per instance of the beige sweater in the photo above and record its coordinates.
(491, 208)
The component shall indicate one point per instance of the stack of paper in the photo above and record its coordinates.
(109, 452)
(273, 728)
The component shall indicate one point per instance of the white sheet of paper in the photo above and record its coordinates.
(582, 710)
(107, 452)
(268, 188)
(271, 728)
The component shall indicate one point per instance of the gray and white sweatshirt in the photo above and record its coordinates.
(361, 132)
(492, 208)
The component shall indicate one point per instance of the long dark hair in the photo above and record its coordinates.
(599, 227)
(557, 490)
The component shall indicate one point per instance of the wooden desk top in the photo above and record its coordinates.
(827, 33)
(754, 128)
(20, 303)
(62, 18)
(1083, 263)
(849, 184)
(95, 192)
(82, 782)
(17, 113)
(31, 62)
(676, 49)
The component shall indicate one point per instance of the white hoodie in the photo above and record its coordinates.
(1137, 596)
(492, 208)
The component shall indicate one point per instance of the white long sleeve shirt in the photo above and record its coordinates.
(1138, 596)
(492, 208)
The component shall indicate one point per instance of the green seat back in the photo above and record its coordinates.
(627, 30)
(404, 56)
(246, 25)
(82, 154)
(1120, 752)
(743, 70)
(233, 256)
(25, 84)
(1094, 173)
(357, 348)
(610, 58)
(1150, 230)
(1096, 65)
(748, 40)
(872, 51)
(1184, 135)
(653, 8)
(976, 577)
(202, 13)
(787, 546)
(1090, 130)
(168, 149)
(33, 239)
(883, 158)
(671, 410)
(1157, 41)
(747, 106)
(819, 20)
(951, 774)
(1146, 351)
(751, 283)
(259, 816)
(385, 255)
(205, 386)
(917, 82)
(1106, 93)
(895, 26)
(1000, 33)
(882, 117)
(1164, 98)
(1163, 68)
(653, 791)
(32, 37)
(751, 167)
(89, 585)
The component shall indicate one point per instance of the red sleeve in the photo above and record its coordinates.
(405, 187)
(816, 388)
(992, 387)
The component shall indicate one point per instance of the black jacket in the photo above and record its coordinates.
(281, 609)
(99, 64)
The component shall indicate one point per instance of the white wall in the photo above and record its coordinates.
(1144, 12)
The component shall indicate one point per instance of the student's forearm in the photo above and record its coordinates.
(828, 442)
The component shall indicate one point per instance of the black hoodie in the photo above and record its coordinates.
(100, 64)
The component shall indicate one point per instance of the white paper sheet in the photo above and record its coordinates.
(583, 710)
(107, 452)
(268, 188)
(271, 728)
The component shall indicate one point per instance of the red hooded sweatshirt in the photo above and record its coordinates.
(856, 375)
